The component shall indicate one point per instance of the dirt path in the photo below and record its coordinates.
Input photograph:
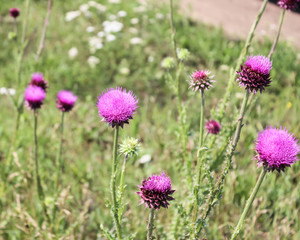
(237, 16)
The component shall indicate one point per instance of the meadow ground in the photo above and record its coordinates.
(80, 56)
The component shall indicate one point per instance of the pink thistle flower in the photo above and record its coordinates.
(117, 106)
(14, 12)
(37, 79)
(200, 80)
(155, 191)
(288, 4)
(213, 127)
(255, 74)
(34, 97)
(276, 149)
(65, 100)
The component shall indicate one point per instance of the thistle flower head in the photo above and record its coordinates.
(183, 54)
(65, 100)
(276, 149)
(14, 12)
(130, 147)
(168, 63)
(155, 191)
(34, 97)
(213, 127)
(117, 106)
(37, 79)
(200, 80)
(288, 4)
(255, 74)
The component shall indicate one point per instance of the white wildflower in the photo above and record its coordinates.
(93, 61)
(112, 26)
(114, 1)
(145, 159)
(133, 30)
(73, 52)
(122, 14)
(101, 8)
(101, 34)
(7, 91)
(90, 29)
(84, 8)
(95, 43)
(72, 15)
(136, 40)
(139, 9)
(110, 38)
(112, 17)
(124, 71)
(134, 21)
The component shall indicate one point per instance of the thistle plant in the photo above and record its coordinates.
(155, 192)
(116, 107)
(200, 81)
(276, 149)
(15, 13)
(34, 97)
(254, 76)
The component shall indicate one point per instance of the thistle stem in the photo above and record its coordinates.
(277, 35)
(248, 204)
(150, 226)
(173, 30)
(59, 161)
(199, 157)
(42, 42)
(239, 62)
(122, 183)
(236, 138)
(113, 183)
(40, 190)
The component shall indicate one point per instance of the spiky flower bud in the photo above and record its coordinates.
(201, 80)
(183, 54)
(168, 63)
(130, 147)
(288, 4)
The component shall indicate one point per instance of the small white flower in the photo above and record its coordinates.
(101, 8)
(93, 61)
(101, 34)
(150, 59)
(90, 29)
(110, 38)
(72, 15)
(145, 159)
(114, 1)
(73, 52)
(87, 14)
(113, 26)
(84, 8)
(122, 14)
(7, 91)
(134, 21)
(136, 40)
(124, 71)
(112, 17)
(95, 43)
(133, 30)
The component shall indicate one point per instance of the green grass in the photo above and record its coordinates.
(88, 141)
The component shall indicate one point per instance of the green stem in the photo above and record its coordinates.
(199, 157)
(218, 188)
(113, 183)
(244, 52)
(122, 183)
(173, 30)
(40, 191)
(277, 35)
(150, 226)
(248, 204)
(59, 161)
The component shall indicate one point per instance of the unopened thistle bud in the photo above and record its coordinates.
(168, 63)
(183, 54)
(201, 80)
(130, 147)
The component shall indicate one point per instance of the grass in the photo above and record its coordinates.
(88, 141)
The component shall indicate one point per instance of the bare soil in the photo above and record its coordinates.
(237, 16)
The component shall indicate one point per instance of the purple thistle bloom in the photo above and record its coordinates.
(276, 149)
(14, 12)
(288, 4)
(200, 80)
(117, 106)
(34, 97)
(155, 191)
(65, 100)
(255, 75)
(213, 127)
(37, 79)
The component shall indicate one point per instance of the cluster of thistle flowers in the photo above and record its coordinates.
(35, 94)
(117, 107)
